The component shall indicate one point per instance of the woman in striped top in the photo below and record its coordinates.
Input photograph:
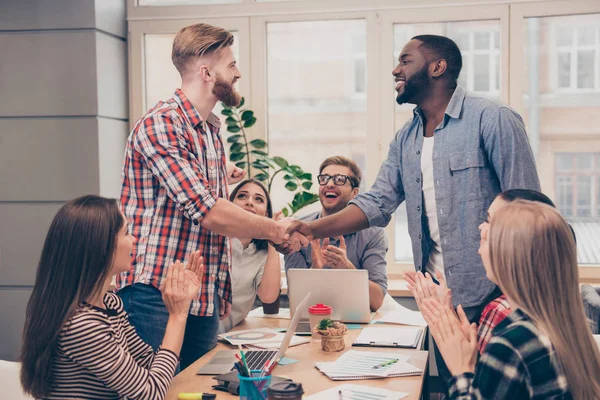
(77, 341)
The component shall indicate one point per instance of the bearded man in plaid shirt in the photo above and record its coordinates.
(174, 195)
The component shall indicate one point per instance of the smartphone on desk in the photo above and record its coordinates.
(303, 328)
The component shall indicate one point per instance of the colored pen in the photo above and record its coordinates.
(385, 364)
(265, 369)
(245, 364)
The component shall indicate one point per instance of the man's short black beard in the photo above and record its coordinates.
(417, 84)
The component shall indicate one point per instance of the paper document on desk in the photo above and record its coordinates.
(357, 392)
(397, 336)
(263, 338)
(368, 365)
(403, 316)
(275, 344)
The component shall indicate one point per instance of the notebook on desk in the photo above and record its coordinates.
(354, 365)
(399, 337)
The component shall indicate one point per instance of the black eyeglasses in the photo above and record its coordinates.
(338, 179)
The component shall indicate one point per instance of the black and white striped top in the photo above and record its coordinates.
(100, 356)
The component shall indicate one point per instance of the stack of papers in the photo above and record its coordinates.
(403, 316)
(357, 392)
(368, 365)
(262, 338)
(397, 336)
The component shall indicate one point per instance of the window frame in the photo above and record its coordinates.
(573, 50)
(490, 52)
(574, 173)
(249, 18)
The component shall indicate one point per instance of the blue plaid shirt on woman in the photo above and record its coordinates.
(519, 362)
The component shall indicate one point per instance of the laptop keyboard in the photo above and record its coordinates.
(256, 359)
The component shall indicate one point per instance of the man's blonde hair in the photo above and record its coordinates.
(198, 40)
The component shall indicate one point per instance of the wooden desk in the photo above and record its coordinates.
(303, 371)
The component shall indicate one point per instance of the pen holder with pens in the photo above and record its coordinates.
(254, 387)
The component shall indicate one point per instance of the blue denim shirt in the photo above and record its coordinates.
(480, 149)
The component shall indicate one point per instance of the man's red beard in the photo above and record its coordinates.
(226, 93)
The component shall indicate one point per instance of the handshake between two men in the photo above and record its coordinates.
(293, 234)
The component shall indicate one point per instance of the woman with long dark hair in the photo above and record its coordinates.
(255, 268)
(77, 341)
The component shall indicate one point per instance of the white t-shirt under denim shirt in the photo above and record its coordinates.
(247, 268)
(436, 262)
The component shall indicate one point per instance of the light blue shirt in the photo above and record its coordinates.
(480, 149)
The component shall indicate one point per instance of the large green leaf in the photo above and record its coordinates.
(297, 200)
(282, 162)
(230, 121)
(236, 147)
(306, 175)
(233, 129)
(291, 186)
(258, 143)
(247, 115)
(259, 152)
(234, 138)
(250, 122)
(261, 177)
(259, 165)
(241, 103)
(302, 200)
(237, 156)
(309, 198)
(241, 164)
(288, 177)
(307, 185)
(226, 111)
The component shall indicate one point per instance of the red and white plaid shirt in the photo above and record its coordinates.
(492, 315)
(172, 176)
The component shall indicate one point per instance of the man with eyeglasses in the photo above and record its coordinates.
(339, 180)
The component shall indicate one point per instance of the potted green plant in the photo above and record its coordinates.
(332, 334)
(252, 156)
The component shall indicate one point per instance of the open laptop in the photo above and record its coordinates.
(346, 291)
(223, 361)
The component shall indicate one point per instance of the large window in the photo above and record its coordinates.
(562, 110)
(480, 47)
(317, 73)
(577, 58)
(577, 185)
(316, 93)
